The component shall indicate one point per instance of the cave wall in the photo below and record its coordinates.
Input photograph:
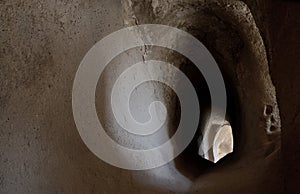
(282, 37)
(42, 44)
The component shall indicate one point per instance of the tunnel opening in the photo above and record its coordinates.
(189, 162)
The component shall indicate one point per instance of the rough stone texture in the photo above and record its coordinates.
(282, 32)
(41, 46)
(228, 29)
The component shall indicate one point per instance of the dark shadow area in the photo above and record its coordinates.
(189, 163)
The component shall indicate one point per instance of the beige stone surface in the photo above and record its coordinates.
(229, 31)
(41, 46)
